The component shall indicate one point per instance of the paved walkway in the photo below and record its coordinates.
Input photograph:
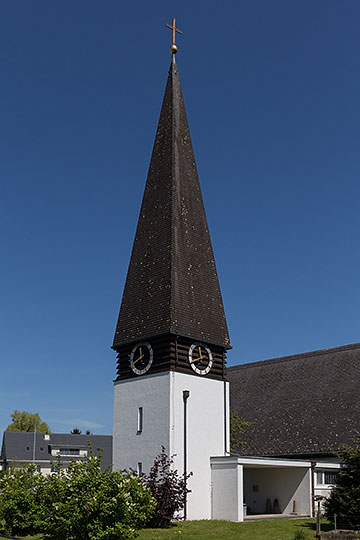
(259, 517)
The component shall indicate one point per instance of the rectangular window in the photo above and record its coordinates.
(319, 478)
(69, 451)
(139, 467)
(140, 419)
(330, 477)
(326, 478)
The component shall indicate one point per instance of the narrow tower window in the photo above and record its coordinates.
(140, 419)
(139, 467)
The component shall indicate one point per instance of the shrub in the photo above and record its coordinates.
(84, 502)
(300, 535)
(167, 487)
(81, 502)
(20, 490)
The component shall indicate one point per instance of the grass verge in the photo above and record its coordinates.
(277, 529)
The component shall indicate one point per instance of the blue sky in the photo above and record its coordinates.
(272, 94)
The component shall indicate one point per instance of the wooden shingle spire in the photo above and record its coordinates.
(172, 284)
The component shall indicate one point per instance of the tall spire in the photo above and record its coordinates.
(172, 284)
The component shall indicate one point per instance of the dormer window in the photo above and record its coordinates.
(69, 451)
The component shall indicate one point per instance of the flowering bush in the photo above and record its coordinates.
(81, 502)
(84, 502)
(20, 490)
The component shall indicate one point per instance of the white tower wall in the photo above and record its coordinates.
(161, 396)
(206, 414)
(130, 446)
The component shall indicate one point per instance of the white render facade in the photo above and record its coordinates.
(241, 485)
(149, 414)
(160, 397)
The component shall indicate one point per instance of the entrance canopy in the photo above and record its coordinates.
(244, 485)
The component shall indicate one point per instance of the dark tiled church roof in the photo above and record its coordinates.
(306, 404)
(172, 284)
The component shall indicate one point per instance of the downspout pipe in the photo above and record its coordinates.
(186, 395)
(313, 465)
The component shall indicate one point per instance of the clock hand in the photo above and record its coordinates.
(140, 357)
(196, 359)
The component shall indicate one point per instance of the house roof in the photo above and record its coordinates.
(172, 284)
(301, 405)
(18, 446)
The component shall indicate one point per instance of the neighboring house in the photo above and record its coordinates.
(18, 448)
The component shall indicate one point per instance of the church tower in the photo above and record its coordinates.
(171, 336)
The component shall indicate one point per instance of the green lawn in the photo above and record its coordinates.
(279, 529)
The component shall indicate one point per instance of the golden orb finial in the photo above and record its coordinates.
(173, 48)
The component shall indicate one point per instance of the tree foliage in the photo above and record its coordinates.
(20, 511)
(79, 502)
(344, 499)
(237, 428)
(167, 487)
(26, 421)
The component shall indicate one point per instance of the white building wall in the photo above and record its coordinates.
(321, 489)
(130, 446)
(227, 490)
(206, 411)
(234, 479)
(161, 396)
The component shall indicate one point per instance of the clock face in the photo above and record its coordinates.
(141, 358)
(200, 358)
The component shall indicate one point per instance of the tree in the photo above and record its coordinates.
(26, 421)
(344, 500)
(237, 428)
(76, 431)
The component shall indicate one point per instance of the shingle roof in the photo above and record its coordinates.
(172, 284)
(305, 404)
(15, 445)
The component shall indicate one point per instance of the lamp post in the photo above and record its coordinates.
(318, 499)
(34, 443)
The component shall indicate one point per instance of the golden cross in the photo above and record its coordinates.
(174, 29)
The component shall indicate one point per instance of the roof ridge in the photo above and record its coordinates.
(281, 359)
